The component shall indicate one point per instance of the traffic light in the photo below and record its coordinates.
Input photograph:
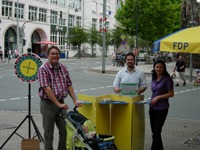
(24, 42)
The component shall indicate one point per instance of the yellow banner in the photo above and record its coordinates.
(184, 41)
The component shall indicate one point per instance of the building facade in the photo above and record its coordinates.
(30, 24)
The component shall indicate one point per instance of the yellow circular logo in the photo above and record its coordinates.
(28, 67)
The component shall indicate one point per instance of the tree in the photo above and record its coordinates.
(108, 40)
(92, 38)
(116, 37)
(155, 19)
(76, 37)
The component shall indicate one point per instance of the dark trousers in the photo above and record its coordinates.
(157, 120)
(51, 116)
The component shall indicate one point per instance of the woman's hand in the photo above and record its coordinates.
(153, 101)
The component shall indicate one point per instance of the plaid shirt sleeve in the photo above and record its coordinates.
(43, 77)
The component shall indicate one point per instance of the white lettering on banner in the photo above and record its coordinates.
(180, 45)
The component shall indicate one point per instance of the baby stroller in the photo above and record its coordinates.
(77, 138)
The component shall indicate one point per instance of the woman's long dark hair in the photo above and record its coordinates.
(165, 73)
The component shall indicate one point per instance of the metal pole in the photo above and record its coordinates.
(104, 38)
(136, 33)
(18, 25)
(192, 19)
(83, 13)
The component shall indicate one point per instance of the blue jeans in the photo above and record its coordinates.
(157, 120)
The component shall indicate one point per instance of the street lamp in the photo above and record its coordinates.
(136, 33)
(18, 25)
(67, 33)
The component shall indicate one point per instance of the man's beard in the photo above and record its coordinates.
(130, 65)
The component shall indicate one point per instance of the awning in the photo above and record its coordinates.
(183, 41)
(46, 42)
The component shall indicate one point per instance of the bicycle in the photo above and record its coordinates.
(3, 59)
(197, 81)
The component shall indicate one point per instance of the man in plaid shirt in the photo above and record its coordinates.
(55, 84)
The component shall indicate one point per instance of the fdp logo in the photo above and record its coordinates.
(180, 45)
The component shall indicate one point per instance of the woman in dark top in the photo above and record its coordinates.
(162, 89)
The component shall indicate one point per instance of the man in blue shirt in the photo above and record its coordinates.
(131, 74)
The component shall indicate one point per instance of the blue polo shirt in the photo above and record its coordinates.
(136, 76)
(159, 88)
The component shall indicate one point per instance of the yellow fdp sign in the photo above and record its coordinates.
(180, 45)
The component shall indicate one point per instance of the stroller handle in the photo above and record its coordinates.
(75, 108)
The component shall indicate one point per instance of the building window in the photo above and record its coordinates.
(71, 21)
(54, 17)
(78, 4)
(62, 19)
(54, 1)
(94, 7)
(94, 23)
(6, 8)
(62, 2)
(107, 10)
(100, 8)
(62, 41)
(78, 21)
(75, 4)
(20, 11)
(53, 36)
(32, 13)
(42, 15)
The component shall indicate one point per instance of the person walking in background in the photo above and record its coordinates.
(162, 89)
(131, 74)
(9, 55)
(1, 54)
(54, 86)
(113, 58)
(16, 53)
(180, 70)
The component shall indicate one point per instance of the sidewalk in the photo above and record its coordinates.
(147, 68)
(178, 134)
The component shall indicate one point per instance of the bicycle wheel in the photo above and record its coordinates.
(3, 60)
(196, 83)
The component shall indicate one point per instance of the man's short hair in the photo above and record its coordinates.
(129, 54)
(51, 47)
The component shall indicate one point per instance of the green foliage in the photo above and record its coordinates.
(108, 38)
(77, 36)
(156, 18)
(116, 37)
(92, 38)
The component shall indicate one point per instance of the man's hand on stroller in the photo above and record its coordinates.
(76, 103)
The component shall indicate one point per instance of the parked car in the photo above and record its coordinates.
(142, 57)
